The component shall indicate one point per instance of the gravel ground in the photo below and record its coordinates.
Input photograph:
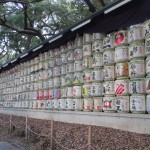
(71, 136)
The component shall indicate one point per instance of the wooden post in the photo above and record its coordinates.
(26, 128)
(89, 137)
(10, 124)
(52, 127)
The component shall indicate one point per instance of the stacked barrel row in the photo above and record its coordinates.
(93, 72)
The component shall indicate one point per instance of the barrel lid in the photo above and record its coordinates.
(137, 79)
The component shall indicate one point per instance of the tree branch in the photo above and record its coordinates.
(90, 5)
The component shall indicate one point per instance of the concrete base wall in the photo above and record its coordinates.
(139, 123)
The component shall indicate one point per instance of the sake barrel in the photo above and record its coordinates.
(51, 53)
(62, 104)
(138, 104)
(69, 79)
(108, 42)
(78, 104)
(97, 75)
(121, 54)
(137, 68)
(87, 38)
(78, 65)
(78, 78)
(97, 46)
(55, 104)
(97, 60)
(98, 103)
(88, 104)
(146, 28)
(109, 72)
(78, 54)
(77, 91)
(87, 50)
(87, 75)
(148, 103)
(109, 88)
(79, 41)
(69, 91)
(122, 87)
(122, 104)
(135, 33)
(147, 83)
(96, 89)
(137, 86)
(49, 104)
(98, 36)
(120, 38)
(87, 62)
(70, 104)
(86, 90)
(121, 70)
(108, 57)
(109, 104)
(136, 50)
(70, 68)
(70, 55)
(147, 46)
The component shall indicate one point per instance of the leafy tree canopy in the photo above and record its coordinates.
(25, 23)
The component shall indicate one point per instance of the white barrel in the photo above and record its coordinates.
(108, 57)
(49, 104)
(56, 104)
(78, 66)
(62, 104)
(136, 50)
(56, 71)
(50, 73)
(86, 90)
(78, 54)
(70, 55)
(148, 103)
(137, 86)
(45, 85)
(87, 38)
(78, 104)
(50, 83)
(62, 80)
(108, 42)
(56, 93)
(96, 89)
(146, 28)
(63, 92)
(121, 70)
(87, 50)
(109, 88)
(77, 91)
(97, 36)
(138, 104)
(109, 72)
(120, 38)
(57, 61)
(70, 68)
(97, 75)
(56, 81)
(88, 104)
(147, 46)
(70, 45)
(57, 52)
(63, 58)
(97, 60)
(69, 91)
(135, 33)
(63, 69)
(79, 41)
(51, 93)
(109, 104)
(122, 87)
(70, 104)
(87, 75)
(148, 65)
(78, 78)
(51, 63)
(69, 78)
(121, 54)
(63, 48)
(87, 62)
(122, 104)
(147, 84)
(45, 65)
(137, 68)
(98, 103)
(97, 46)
